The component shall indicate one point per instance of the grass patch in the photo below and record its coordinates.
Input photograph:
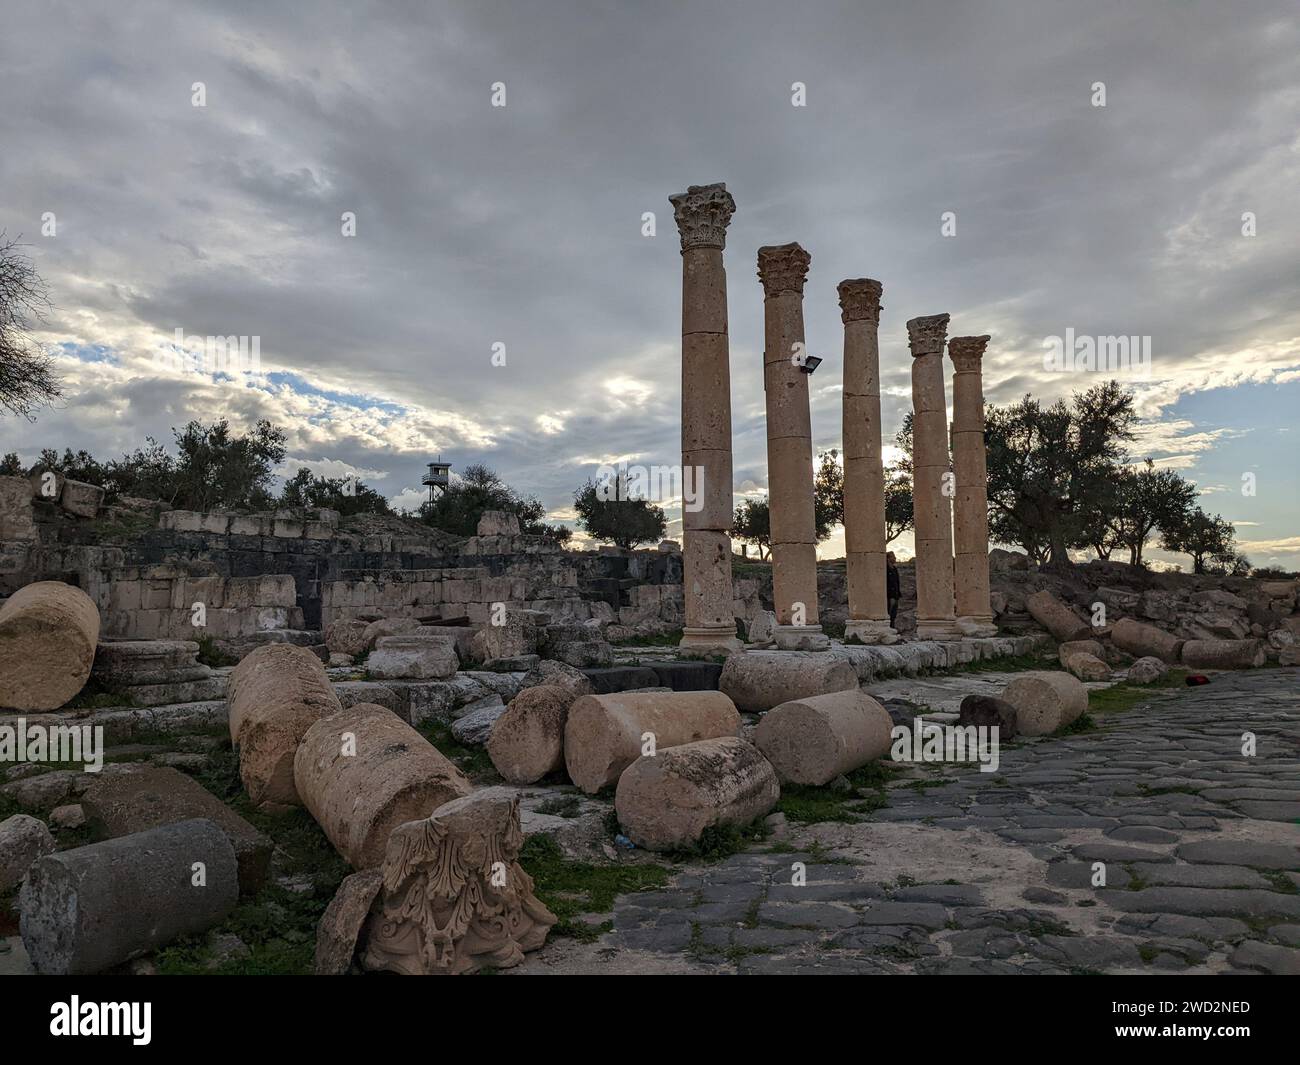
(806, 804)
(277, 925)
(561, 806)
(1009, 664)
(1125, 696)
(473, 761)
(570, 889)
(212, 655)
(95, 697)
(722, 841)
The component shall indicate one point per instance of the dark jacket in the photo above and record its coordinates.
(893, 586)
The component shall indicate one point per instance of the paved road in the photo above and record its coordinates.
(994, 872)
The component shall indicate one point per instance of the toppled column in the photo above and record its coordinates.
(783, 269)
(703, 213)
(864, 472)
(760, 680)
(1138, 638)
(1223, 654)
(88, 909)
(1045, 701)
(932, 484)
(48, 633)
(605, 734)
(455, 898)
(364, 771)
(666, 802)
(275, 695)
(970, 505)
(527, 741)
(815, 740)
(1063, 623)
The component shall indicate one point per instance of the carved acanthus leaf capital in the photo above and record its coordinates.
(783, 268)
(926, 335)
(703, 213)
(860, 300)
(966, 352)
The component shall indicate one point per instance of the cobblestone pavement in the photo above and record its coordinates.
(994, 872)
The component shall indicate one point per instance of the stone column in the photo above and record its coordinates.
(783, 270)
(703, 213)
(864, 472)
(970, 504)
(932, 505)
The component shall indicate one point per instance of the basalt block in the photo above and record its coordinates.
(88, 909)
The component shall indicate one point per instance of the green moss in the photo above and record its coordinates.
(571, 889)
(1125, 696)
(722, 841)
(663, 639)
(806, 804)
(211, 655)
(473, 761)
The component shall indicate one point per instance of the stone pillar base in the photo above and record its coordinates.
(938, 629)
(707, 642)
(977, 626)
(801, 638)
(870, 630)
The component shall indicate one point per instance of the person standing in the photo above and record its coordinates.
(893, 587)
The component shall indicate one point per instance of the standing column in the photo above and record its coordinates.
(931, 504)
(864, 471)
(970, 506)
(783, 270)
(703, 213)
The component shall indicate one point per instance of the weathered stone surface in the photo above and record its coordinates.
(1223, 654)
(88, 909)
(344, 918)
(275, 695)
(989, 712)
(475, 727)
(1253, 855)
(377, 630)
(81, 499)
(519, 634)
(145, 797)
(413, 656)
(498, 523)
(346, 636)
(666, 801)
(559, 675)
(604, 734)
(1147, 670)
(1057, 618)
(1280, 961)
(527, 742)
(760, 680)
(1045, 701)
(1087, 666)
(363, 771)
(23, 839)
(1074, 647)
(48, 633)
(1138, 638)
(455, 898)
(16, 522)
(815, 740)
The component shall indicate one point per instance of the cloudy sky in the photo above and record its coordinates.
(480, 225)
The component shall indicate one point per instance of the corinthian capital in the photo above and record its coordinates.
(925, 336)
(703, 213)
(966, 353)
(783, 268)
(860, 300)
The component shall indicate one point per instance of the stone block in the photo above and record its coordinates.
(80, 499)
